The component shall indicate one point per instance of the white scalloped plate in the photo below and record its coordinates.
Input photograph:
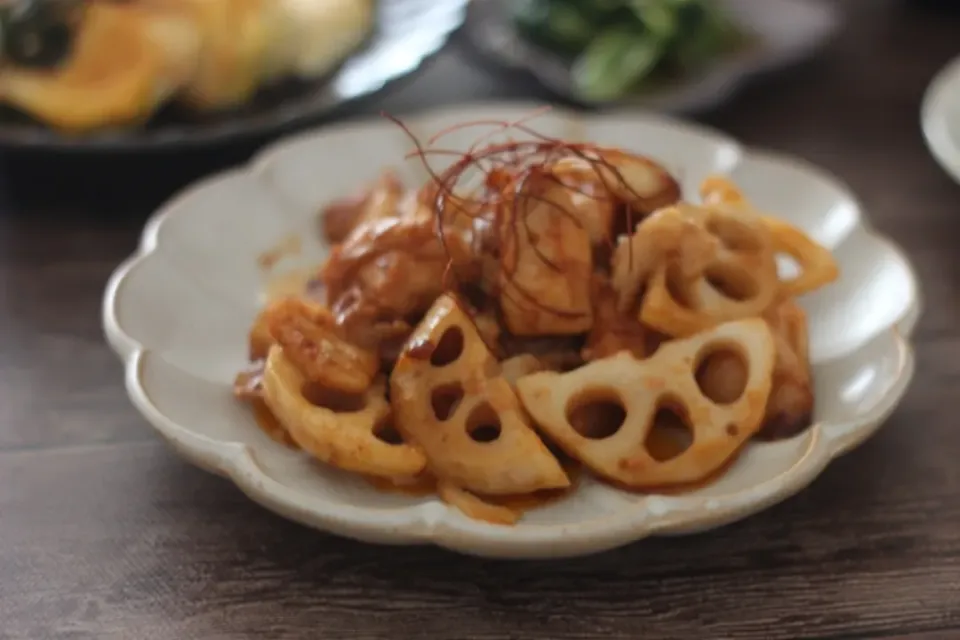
(940, 117)
(177, 313)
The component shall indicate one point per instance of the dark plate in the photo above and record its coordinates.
(784, 32)
(407, 32)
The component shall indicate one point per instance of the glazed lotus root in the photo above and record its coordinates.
(347, 431)
(790, 406)
(816, 264)
(451, 400)
(604, 414)
(696, 267)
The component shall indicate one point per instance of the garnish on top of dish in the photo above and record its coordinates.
(619, 46)
(575, 310)
(84, 65)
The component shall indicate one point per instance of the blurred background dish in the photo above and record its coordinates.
(670, 55)
(941, 118)
(95, 74)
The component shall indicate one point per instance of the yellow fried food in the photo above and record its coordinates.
(235, 36)
(126, 60)
(324, 32)
(251, 43)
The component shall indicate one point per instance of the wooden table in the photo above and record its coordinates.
(106, 534)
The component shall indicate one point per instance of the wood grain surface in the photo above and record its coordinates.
(105, 534)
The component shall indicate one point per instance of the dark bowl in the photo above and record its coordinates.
(407, 32)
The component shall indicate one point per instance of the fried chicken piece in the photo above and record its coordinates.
(411, 231)
(379, 200)
(612, 190)
(790, 407)
(311, 340)
(614, 331)
(389, 270)
(546, 262)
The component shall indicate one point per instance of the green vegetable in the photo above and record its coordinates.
(556, 24)
(616, 61)
(601, 12)
(617, 45)
(658, 17)
(569, 28)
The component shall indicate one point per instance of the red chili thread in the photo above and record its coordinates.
(507, 168)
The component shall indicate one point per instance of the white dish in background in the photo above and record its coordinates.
(789, 31)
(941, 118)
(178, 311)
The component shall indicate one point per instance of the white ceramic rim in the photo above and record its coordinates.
(234, 460)
(941, 98)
